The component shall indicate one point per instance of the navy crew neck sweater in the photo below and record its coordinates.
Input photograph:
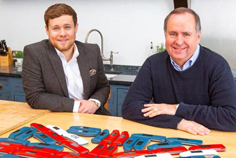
(206, 92)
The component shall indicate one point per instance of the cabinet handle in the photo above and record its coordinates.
(0, 85)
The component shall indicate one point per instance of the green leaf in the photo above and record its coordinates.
(160, 48)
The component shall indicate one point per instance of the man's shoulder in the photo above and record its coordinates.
(157, 61)
(212, 60)
(159, 57)
(210, 55)
(88, 48)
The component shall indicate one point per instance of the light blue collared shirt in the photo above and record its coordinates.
(188, 63)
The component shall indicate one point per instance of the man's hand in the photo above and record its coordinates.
(192, 127)
(152, 110)
(87, 106)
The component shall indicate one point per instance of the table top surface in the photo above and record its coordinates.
(15, 114)
(65, 120)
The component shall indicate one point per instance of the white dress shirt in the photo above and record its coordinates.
(73, 78)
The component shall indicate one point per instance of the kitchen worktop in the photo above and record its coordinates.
(125, 75)
(10, 71)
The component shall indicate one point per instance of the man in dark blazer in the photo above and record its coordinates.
(62, 74)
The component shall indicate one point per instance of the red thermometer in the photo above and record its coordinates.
(112, 137)
(122, 138)
(217, 147)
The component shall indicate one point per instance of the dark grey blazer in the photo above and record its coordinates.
(44, 79)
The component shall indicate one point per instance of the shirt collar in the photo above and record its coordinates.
(189, 62)
(75, 53)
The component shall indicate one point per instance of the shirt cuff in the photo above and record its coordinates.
(76, 106)
(97, 102)
(177, 107)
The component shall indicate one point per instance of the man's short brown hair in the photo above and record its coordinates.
(58, 10)
(182, 10)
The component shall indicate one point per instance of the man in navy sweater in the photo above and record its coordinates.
(192, 87)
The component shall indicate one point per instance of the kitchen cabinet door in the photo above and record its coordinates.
(118, 93)
(4, 88)
(17, 92)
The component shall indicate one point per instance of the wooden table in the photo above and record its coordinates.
(65, 120)
(15, 114)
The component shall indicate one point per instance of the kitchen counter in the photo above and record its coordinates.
(124, 69)
(10, 71)
(122, 79)
(125, 75)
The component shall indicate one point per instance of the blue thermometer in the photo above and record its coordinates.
(44, 145)
(141, 143)
(128, 144)
(17, 141)
(27, 134)
(44, 138)
(163, 145)
(86, 128)
(3, 155)
(185, 141)
(18, 132)
(100, 136)
(145, 139)
(151, 137)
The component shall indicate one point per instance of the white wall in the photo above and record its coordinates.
(128, 26)
(218, 19)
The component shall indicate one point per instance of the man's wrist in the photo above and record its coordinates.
(97, 102)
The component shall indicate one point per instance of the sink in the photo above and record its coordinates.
(109, 76)
(112, 72)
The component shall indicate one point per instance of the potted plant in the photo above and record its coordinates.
(160, 48)
(18, 58)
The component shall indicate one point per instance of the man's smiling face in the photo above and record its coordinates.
(62, 33)
(181, 37)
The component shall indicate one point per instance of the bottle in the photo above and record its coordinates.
(151, 51)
